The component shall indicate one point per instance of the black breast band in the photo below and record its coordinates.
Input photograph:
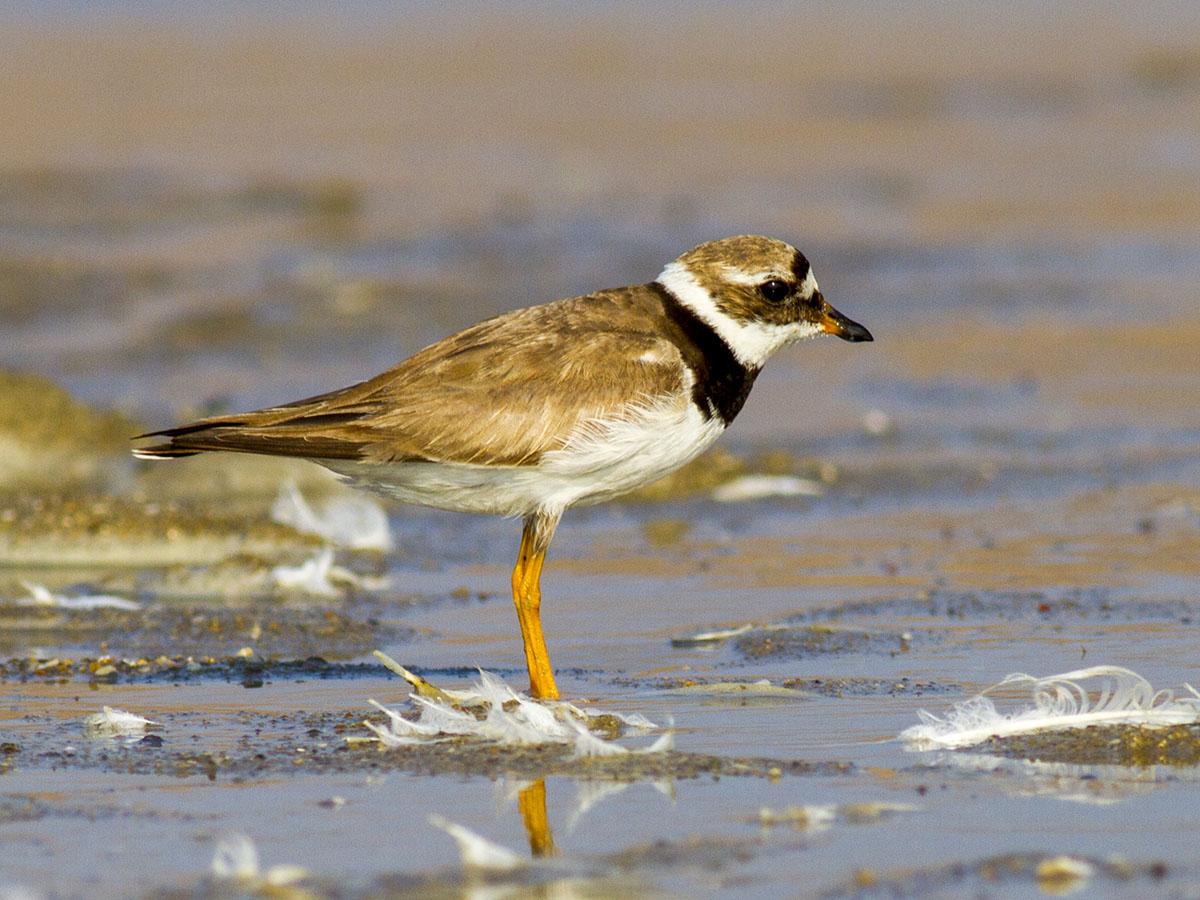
(722, 382)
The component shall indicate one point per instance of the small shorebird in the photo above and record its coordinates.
(569, 403)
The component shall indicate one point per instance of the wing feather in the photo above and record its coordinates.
(502, 392)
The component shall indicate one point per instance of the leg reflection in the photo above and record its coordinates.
(532, 802)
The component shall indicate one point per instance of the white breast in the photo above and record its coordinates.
(608, 457)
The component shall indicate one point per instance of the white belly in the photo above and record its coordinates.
(601, 460)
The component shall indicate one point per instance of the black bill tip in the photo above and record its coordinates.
(847, 329)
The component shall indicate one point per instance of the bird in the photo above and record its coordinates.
(548, 407)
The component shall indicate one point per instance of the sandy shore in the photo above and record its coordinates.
(202, 213)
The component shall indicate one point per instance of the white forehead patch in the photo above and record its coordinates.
(734, 275)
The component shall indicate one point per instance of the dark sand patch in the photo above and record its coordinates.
(1099, 745)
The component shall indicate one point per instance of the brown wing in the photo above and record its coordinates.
(502, 392)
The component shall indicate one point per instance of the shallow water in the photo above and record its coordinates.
(1008, 474)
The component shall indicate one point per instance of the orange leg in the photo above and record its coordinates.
(527, 595)
(532, 801)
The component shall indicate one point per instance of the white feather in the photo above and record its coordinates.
(508, 718)
(115, 723)
(235, 858)
(476, 851)
(357, 522)
(39, 595)
(1060, 702)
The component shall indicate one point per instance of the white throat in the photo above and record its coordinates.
(752, 342)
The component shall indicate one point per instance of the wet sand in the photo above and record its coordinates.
(201, 214)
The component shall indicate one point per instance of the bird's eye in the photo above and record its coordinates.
(774, 291)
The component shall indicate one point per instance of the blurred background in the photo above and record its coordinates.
(220, 206)
(204, 208)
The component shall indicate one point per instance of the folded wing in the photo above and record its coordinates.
(502, 392)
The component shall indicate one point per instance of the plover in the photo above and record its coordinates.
(540, 409)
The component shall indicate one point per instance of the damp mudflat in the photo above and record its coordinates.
(213, 215)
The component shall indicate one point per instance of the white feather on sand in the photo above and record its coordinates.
(1058, 702)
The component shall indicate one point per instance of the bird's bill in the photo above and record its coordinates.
(833, 322)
